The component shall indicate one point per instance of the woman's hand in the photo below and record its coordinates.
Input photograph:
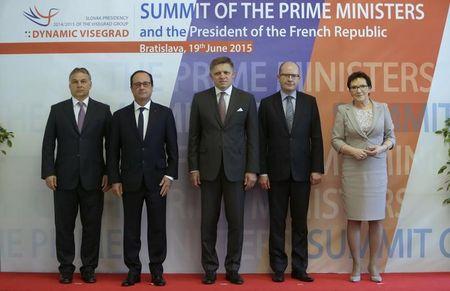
(358, 154)
(375, 150)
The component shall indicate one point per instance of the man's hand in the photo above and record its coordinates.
(315, 178)
(165, 186)
(105, 185)
(117, 189)
(264, 182)
(195, 178)
(249, 181)
(51, 182)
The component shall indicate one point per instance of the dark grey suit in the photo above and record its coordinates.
(79, 167)
(289, 158)
(223, 153)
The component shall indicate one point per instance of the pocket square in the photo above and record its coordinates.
(240, 109)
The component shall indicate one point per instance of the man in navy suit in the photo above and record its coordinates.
(142, 163)
(80, 126)
(291, 151)
(223, 161)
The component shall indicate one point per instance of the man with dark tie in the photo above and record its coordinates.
(223, 162)
(142, 164)
(291, 151)
(77, 176)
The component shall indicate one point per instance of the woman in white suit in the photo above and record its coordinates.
(363, 131)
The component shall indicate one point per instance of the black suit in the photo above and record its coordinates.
(79, 167)
(289, 158)
(223, 153)
(143, 164)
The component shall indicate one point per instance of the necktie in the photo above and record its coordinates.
(222, 108)
(81, 115)
(289, 112)
(141, 123)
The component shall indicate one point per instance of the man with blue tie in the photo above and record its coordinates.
(77, 176)
(142, 163)
(291, 160)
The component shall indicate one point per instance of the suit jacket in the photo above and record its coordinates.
(79, 156)
(133, 160)
(346, 129)
(235, 143)
(296, 154)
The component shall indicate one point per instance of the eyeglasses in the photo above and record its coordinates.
(139, 84)
(355, 88)
(290, 76)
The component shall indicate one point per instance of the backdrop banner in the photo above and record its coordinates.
(403, 46)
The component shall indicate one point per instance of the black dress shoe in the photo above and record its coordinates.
(88, 277)
(65, 278)
(131, 279)
(209, 278)
(278, 277)
(302, 277)
(234, 278)
(158, 280)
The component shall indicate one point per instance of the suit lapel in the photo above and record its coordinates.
(152, 117)
(68, 108)
(352, 118)
(376, 111)
(232, 105)
(90, 112)
(132, 121)
(212, 103)
(279, 111)
(300, 109)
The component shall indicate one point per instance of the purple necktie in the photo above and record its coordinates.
(222, 107)
(81, 115)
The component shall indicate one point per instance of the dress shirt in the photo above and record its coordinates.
(226, 97)
(76, 107)
(283, 100)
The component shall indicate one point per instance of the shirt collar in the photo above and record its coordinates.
(146, 106)
(284, 95)
(85, 101)
(227, 91)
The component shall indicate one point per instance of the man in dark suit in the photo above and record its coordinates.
(78, 178)
(223, 161)
(142, 163)
(291, 151)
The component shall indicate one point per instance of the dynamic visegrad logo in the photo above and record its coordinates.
(39, 18)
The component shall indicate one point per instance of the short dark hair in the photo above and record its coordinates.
(220, 60)
(357, 75)
(141, 71)
(79, 70)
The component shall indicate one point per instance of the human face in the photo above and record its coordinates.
(289, 77)
(142, 88)
(222, 76)
(360, 90)
(79, 85)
